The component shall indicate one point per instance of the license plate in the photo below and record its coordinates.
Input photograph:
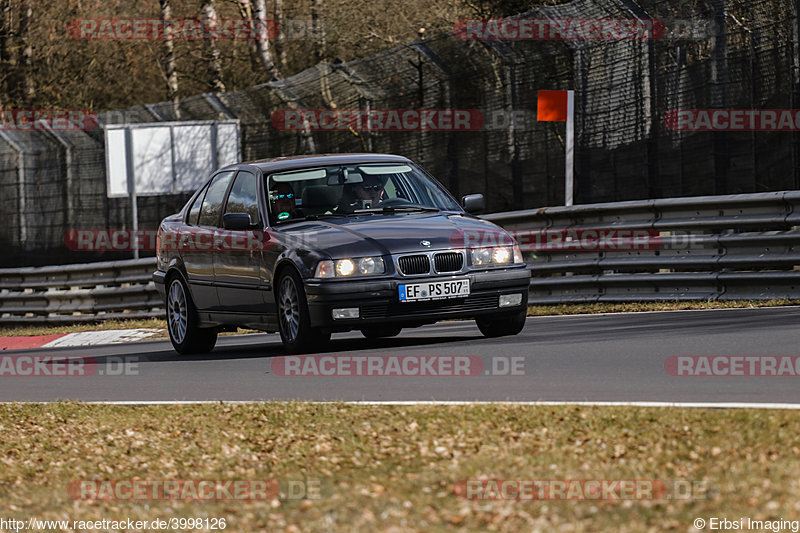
(433, 290)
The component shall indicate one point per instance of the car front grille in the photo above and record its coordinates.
(414, 264)
(448, 262)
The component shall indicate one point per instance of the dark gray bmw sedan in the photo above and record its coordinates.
(312, 245)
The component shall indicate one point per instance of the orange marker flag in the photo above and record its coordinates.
(552, 106)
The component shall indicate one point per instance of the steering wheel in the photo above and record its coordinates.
(395, 202)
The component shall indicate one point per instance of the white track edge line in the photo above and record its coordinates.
(612, 313)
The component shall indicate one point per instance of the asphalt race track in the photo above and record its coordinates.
(572, 358)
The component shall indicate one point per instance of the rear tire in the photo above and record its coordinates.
(502, 326)
(182, 321)
(380, 332)
(294, 320)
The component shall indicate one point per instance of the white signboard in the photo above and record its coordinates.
(116, 171)
(167, 157)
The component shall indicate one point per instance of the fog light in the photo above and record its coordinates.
(347, 312)
(510, 300)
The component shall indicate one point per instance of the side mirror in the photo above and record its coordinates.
(473, 204)
(236, 221)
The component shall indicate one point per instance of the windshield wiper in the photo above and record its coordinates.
(400, 209)
(313, 217)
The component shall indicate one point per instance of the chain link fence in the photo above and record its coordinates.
(726, 54)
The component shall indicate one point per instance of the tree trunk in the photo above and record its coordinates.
(25, 87)
(262, 42)
(318, 31)
(280, 41)
(211, 50)
(5, 46)
(170, 70)
(246, 11)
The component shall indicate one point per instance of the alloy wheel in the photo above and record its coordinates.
(289, 309)
(177, 312)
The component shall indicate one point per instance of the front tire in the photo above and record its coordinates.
(502, 326)
(183, 323)
(294, 320)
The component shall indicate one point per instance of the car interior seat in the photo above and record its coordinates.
(318, 199)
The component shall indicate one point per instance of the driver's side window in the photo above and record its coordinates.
(243, 197)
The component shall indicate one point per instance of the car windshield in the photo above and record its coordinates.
(357, 189)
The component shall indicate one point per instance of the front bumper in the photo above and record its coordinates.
(378, 301)
(159, 279)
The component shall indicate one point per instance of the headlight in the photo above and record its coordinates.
(345, 267)
(501, 256)
(481, 256)
(368, 265)
(498, 255)
(518, 255)
(350, 267)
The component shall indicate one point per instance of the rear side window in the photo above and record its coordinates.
(212, 204)
(243, 197)
(194, 211)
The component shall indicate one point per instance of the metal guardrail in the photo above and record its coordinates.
(79, 293)
(715, 247)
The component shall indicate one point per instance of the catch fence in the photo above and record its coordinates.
(712, 54)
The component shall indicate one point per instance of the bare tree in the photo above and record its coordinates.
(5, 45)
(280, 41)
(262, 40)
(170, 70)
(246, 11)
(210, 48)
(260, 53)
(25, 79)
(318, 31)
(69, 72)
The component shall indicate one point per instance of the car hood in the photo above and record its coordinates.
(391, 234)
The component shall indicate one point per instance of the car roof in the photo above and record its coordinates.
(268, 166)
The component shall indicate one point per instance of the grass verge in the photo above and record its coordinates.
(384, 468)
(149, 323)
